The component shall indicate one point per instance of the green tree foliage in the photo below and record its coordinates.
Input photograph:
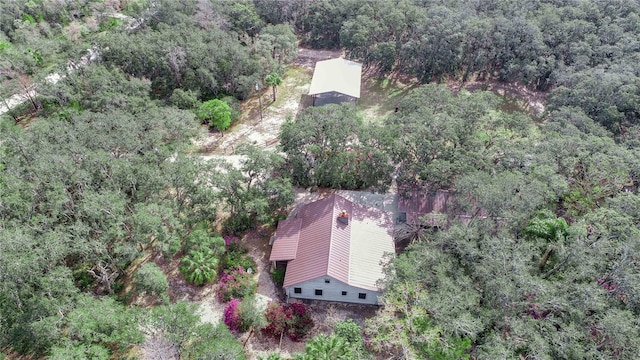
(78, 352)
(83, 194)
(216, 113)
(404, 325)
(200, 238)
(437, 136)
(279, 41)
(201, 57)
(272, 356)
(350, 332)
(81, 203)
(580, 50)
(535, 270)
(544, 265)
(103, 322)
(184, 99)
(149, 279)
(323, 347)
(244, 19)
(199, 266)
(331, 146)
(251, 314)
(258, 191)
(180, 325)
(551, 230)
(214, 342)
(95, 88)
(273, 80)
(546, 226)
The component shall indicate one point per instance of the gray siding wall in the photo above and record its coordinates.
(332, 291)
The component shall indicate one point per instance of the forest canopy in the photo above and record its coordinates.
(98, 171)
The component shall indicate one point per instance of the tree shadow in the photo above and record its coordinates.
(305, 102)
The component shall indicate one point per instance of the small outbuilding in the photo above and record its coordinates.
(335, 81)
(434, 208)
(334, 249)
(424, 208)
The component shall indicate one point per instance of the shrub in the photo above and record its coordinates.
(294, 320)
(150, 279)
(216, 113)
(240, 316)
(232, 315)
(238, 223)
(300, 323)
(234, 106)
(199, 266)
(200, 238)
(278, 276)
(236, 283)
(327, 347)
(277, 316)
(237, 256)
(350, 332)
(110, 23)
(251, 315)
(213, 342)
(184, 99)
(231, 240)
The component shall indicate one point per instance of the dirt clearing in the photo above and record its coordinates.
(263, 130)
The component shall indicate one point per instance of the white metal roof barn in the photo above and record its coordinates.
(335, 81)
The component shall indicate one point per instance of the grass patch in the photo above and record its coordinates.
(294, 79)
(380, 96)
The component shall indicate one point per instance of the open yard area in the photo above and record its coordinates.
(379, 97)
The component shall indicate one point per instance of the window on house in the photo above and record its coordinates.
(318, 292)
(344, 293)
(362, 296)
(327, 281)
(297, 290)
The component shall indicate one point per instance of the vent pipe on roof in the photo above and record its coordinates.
(343, 217)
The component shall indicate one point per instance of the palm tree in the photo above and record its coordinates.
(273, 80)
(325, 347)
(200, 266)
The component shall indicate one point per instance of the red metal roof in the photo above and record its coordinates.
(323, 246)
(285, 246)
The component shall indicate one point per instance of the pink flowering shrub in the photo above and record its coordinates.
(232, 315)
(235, 256)
(230, 239)
(236, 284)
(608, 285)
(294, 320)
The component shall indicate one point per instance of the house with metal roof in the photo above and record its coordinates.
(334, 249)
(335, 81)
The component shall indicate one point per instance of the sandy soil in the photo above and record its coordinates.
(309, 57)
(264, 132)
(250, 128)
